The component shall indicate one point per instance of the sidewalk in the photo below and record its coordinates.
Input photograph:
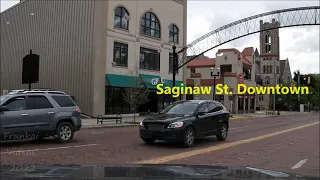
(88, 123)
(260, 114)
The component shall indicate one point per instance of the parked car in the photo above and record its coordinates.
(39, 114)
(185, 121)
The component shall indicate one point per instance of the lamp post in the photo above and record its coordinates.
(309, 101)
(174, 68)
(214, 81)
(279, 100)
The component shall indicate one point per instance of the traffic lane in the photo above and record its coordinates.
(123, 145)
(84, 136)
(124, 134)
(285, 152)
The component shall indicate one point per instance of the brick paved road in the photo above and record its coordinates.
(123, 145)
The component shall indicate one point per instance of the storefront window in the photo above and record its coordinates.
(117, 99)
(109, 99)
(125, 105)
(160, 102)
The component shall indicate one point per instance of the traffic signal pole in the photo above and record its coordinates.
(174, 68)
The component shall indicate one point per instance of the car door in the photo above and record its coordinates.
(14, 122)
(213, 119)
(201, 122)
(216, 116)
(40, 112)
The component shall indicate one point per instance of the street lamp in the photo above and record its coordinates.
(214, 81)
(309, 101)
(279, 100)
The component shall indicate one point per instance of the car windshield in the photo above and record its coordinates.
(183, 108)
(2, 98)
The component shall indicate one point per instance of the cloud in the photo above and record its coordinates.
(299, 44)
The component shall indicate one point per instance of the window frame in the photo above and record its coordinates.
(150, 53)
(173, 32)
(13, 98)
(224, 68)
(120, 46)
(268, 42)
(121, 16)
(28, 97)
(146, 22)
(54, 96)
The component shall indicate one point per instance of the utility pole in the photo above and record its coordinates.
(299, 86)
(174, 68)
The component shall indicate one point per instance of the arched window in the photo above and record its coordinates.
(173, 33)
(268, 42)
(121, 18)
(150, 25)
(267, 80)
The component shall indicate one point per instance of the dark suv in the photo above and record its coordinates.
(31, 115)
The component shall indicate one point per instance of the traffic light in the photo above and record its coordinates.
(308, 79)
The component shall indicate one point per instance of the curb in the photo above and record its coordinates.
(108, 126)
(239, 118)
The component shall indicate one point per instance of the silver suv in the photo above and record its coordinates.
(32, 115)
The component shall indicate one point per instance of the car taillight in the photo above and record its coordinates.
(78, 110)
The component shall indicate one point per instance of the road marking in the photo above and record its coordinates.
(217, 147)
(48, 149)
(238, 118)
(97, 132)
(239, 127)
(299, 164)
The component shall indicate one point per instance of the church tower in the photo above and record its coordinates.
(269, 56)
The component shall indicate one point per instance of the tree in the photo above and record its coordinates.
(137, 94)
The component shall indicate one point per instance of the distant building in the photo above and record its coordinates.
(88, 48)
(202, 56)
(270, 69)
(232, 63)
(285, 72)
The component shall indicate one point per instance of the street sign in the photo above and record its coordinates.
(30, 69)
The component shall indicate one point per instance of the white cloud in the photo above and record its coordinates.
(299, 44)
(5, 4)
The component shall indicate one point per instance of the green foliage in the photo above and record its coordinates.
(314, 90)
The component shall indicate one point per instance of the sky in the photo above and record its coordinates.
(299, 44)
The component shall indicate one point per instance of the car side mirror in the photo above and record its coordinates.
(3, 108)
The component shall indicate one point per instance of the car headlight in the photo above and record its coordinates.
(141, 123)
(176, 125)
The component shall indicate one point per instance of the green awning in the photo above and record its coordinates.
(169, 83)
(150, 80)
(122, 81)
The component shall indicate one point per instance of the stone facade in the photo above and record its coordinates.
(269, 64)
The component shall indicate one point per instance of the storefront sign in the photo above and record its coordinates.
(156, 81)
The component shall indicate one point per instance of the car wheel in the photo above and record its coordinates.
(64, 132)
(148, 140)
(223, 132)
(189, 137)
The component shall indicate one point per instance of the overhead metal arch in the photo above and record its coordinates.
(301, 16)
